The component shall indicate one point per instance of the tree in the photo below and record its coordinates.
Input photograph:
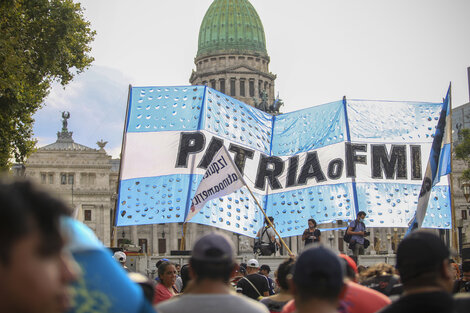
(462, 152)
(41, 41)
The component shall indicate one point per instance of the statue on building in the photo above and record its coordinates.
(65, 116)
(263, 105)
(101, 144)
(276, 106)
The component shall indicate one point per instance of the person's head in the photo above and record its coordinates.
(466, 271)
(312, 223)
(178, 268)
(157, 265)
(271, 219)
(351, 267)
(423, 261)
(361, 215)
(120, 257)
(264, 270)
(35, 271)
(283, 272)
(454, 267)
(167, 273)
(213, 259)
(185, 276)
(379, 269)
(252, 266)
(318, 275)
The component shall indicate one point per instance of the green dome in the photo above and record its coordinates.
(231, 26)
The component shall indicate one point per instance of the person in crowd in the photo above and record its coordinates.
(265, 270)
(354, 298)
(239, 273)
(147, 285)
(462, 284)
(317, 283)
(357, 230)
(211, 265)
(423, 264)
(121, 258)
(311, 234)
(254, 285)
(35, 270)
(184, 277)
(166, 289)
(179, 281)
(276, 302)
(382, 277)
(267, 238)
(159, 262)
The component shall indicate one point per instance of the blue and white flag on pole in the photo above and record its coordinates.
(438, 165)
(221, 178)
(325, 162)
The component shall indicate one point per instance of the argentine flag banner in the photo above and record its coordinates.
(325, 162)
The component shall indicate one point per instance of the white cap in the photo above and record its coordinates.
(120, 256)
(253, 263)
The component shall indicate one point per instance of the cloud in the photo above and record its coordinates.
(96, 100)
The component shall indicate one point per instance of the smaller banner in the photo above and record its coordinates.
(221, 178)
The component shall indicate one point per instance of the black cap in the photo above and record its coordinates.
(318, 262)
(265, 267)
(213, 247)
(420, 252)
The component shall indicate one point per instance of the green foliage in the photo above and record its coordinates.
(41, 41)
(462, 152)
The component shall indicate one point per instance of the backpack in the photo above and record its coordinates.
(347, 237)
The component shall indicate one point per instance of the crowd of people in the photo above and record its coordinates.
(36, 271)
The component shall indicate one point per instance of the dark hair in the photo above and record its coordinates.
(361, 213)
(185, 276)
(265, 267)
(162, 268)
(212, 270)
(24, 208)
(159, 262)
(283, 271)
(350, 273)
(270, 218)
(466, 266)
(313, 221)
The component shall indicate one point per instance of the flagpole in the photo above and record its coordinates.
(183, 238)
(451, 178)
(269, 222)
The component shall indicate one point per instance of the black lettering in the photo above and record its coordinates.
(335, 168)
(241, 154)
(271, 174)
(204, 193)
(292, 171)
(416, 163)
(214, 145)
(310, 169)
(190, 143)
(234, 177)
(389, 164)
(352, 158)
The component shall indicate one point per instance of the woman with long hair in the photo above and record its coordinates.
(166, 288)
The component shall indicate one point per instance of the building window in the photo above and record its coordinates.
(260, 85)
(222, 85)
(51, 178)
(464, 214)
(213, 83)
(265, 85)
(232, 86)
(242, 87)
(143, 245)
(252, 87)
(70, 179)
(87, 178)
(63, 179)
(43, 178)
(161, 246)
(87, 214)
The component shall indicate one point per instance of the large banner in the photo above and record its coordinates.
(326, 162)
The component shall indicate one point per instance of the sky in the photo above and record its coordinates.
(319, 50)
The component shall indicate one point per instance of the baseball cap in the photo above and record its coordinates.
(213, 247)
(318, 265)
(120, 256)
(265, 267)
(253, 263)
(420, 252)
